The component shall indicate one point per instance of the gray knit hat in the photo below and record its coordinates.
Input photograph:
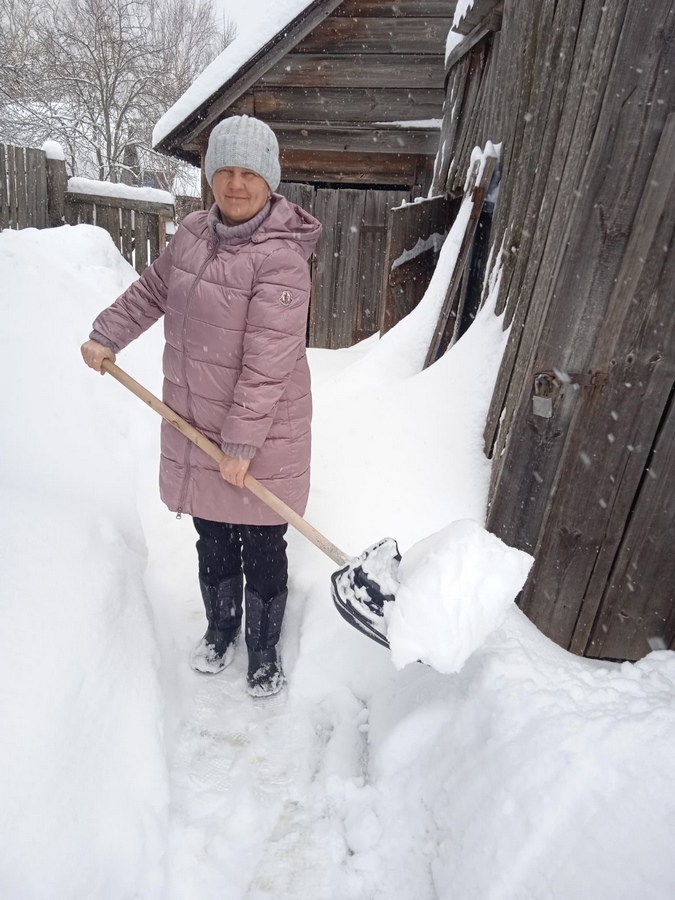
(246, 142)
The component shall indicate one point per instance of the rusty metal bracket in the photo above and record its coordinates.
(547, 384)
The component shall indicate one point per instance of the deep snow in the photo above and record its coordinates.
(529, 773)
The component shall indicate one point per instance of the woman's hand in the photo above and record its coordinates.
(234, 470)
(94, 353)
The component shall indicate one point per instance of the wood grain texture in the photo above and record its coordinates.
(378, 35)
(362, 105)
(356, 138)
(357, 70)
(398, 9)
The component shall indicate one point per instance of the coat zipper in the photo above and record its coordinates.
(186, 461)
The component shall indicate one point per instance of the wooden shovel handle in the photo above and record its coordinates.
(254, 486)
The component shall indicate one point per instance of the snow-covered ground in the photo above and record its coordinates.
(528, 774)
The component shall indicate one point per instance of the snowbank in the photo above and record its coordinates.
(82, 769)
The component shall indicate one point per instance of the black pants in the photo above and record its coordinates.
(260, 550)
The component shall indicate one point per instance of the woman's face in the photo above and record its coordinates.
(240, 194)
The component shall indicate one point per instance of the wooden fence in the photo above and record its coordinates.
(24, 199)
(34, 194)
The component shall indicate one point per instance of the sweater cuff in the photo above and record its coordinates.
(240, 451)
(102, 339)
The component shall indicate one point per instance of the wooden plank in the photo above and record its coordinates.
(140, 242)
(31, 186)
(85, 213)
(637, 612)
(399, 9)
(465, 139)
(148, 206)
(108, 218)
(126, 236)
(243, 106)
(21, 199)
(565, 147)
(57, 183)
(268, 56)
(360, 70)
(350, 168)
(403, 286)
(636, 345)
(356, 139)
(11, 181)
(324, 275)
(378, 35)
(42, 196)
(492, 23)
(351, 210)
(453, 108)
(371, 260)
(477, 13)
(4, 189)
(300, 194)
(333, 105)
(441, 338)
(153, 237)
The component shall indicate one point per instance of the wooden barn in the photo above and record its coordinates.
(354, 90)
(581, 430)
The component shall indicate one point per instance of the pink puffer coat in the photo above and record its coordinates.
(235, 318)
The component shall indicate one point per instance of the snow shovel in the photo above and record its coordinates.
(361, 587)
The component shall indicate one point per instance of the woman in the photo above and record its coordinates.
(233, 287)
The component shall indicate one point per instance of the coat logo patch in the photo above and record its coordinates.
(286, 298)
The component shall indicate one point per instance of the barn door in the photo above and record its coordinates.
(348, 264)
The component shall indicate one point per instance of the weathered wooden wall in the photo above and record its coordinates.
(581, 96)
(347, 268)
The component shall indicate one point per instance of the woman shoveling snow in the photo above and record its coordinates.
(233, 288)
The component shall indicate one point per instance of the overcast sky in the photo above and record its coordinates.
(242, 12)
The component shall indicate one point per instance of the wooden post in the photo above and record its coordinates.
(4, 191)
(57, 184)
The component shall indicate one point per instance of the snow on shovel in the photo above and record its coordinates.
(360, 588)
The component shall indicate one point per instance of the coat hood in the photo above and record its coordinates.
(289, 222)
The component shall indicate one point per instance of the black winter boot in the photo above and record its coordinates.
(263, 627)
(222, 603)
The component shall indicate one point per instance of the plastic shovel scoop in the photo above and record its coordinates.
(363, 585)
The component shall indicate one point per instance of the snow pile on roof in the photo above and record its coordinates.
(453, 40)
(274, 18)
(121, 191)
(461, 10)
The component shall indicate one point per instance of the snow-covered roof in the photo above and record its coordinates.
(277, 17)
(462, 8)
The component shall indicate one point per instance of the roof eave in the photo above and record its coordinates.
(191, 127)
